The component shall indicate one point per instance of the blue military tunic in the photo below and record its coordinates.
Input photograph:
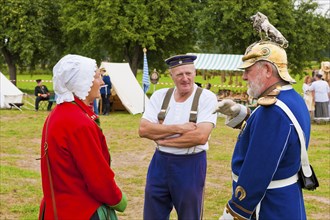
(268, 149)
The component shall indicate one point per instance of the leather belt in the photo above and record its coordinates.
(276, 183)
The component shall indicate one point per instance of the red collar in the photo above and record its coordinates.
(87, 109)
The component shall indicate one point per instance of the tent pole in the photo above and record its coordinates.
(17, 107)
(144, 101)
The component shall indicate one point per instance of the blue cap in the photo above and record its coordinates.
(179, 60)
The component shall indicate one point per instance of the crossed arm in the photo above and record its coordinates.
(178, 135)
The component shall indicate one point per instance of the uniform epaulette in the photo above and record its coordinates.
(270, 98)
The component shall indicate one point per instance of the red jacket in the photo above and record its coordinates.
(80, 164)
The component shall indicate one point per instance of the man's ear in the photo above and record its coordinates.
(269, 70)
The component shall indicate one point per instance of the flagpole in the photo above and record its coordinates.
(145, 77)
(144, 102)
(144, 95)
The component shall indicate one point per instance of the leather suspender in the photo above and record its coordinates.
(162, 113)
(194, 106)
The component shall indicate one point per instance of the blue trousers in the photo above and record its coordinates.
(175, 180)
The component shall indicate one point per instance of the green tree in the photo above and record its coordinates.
(228, 23)
(310, 37)
(35, 32)
(119, 30)
(77, 20)
(225, 27)
(28, 31)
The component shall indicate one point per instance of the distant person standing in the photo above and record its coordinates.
(41, 92)
(96, 106)
(105, 92)
(308, 96)
(208, 86)
(321, 93)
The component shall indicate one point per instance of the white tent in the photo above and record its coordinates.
(126, 86)
(9, 93)
(221, 62)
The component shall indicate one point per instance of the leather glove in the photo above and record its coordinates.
(228, 107)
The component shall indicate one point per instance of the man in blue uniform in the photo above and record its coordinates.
(42, 94)
(267, 155)
(105, 92)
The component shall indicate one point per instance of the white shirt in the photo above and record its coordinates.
(321, 89)
(306, 89)
(179, 112)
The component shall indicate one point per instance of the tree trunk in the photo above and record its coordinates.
(43, 64)
(133, 57)
(10, 63)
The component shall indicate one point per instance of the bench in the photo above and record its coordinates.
(44, 103)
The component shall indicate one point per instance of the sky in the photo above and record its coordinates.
(324, 6)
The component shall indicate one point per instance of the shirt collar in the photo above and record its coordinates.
(286, 87)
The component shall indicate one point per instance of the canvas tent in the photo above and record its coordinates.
(126, 86)
(225, 66)
(218, 62)
(9, 93)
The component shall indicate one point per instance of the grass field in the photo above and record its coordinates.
(20, 183)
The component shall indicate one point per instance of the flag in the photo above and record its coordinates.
(145, 79)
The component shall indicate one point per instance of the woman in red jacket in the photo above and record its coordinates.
(77, 180)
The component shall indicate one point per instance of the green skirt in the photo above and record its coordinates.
(106, 213)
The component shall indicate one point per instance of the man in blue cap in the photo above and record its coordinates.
(180, 121)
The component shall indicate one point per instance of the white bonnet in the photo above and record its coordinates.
(73, 75)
